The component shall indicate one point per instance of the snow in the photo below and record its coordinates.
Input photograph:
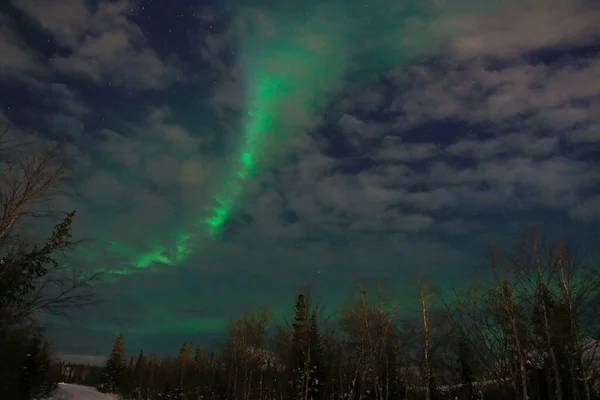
(67, 391)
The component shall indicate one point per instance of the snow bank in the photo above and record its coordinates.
(67, 391)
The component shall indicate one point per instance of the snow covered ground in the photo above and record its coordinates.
(67, 391)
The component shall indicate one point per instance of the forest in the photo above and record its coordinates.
(526, 328)
(528, 332)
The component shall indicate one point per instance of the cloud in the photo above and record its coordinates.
(516, 27)
(510, 144)
(481, 92)
(515, 182)
(394, 149)
(17, 58)
(440, 197)
(357, 131)
(68, 99)
(105, 45)
(585, 135)
(588, 210)
(513, 164)
(67, 27)
(491, 73)
(514, 116)
(143, 183)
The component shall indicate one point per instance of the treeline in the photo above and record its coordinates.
(34, 281)
(528, 331)
(82, 374)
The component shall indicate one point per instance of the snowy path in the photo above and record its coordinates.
(66, 391)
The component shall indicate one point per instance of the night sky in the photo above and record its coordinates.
(228, 154)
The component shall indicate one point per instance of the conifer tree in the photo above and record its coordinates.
(138, 375)
(128, 382)
(300, 357)
(115, 365)
(300, 330)
(314, 333)
(31, 378)
(151, 373)
(307, 352)
(140, 363)
(183, 361)
(197, 369)
(316, 358)
(198, 354)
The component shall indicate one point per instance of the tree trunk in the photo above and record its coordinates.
(426, 367)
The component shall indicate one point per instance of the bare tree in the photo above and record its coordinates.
(476, 339)
(31, 176)
(247, 355)
(33, 278)
(532, 263)
(370, 334)
(575, 288)
(561, 288)
(425, 296)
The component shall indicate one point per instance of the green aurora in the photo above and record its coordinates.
(295, 60)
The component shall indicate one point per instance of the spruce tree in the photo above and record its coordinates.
(197, 369)
(138, 375)
(300, 331)
(307, 352)
(128, 381)
(300, 356)
(316, 358)
(35, 379)
(198, 354)
(31, 371)
(140, 364)
(183, 361)
(151, 374)
(112, 378)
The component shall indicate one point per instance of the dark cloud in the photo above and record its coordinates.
(17, 58)
(104, 44)
(517, 28)
(67, 27)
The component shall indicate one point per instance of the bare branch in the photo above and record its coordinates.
(30, 178)
(33, 280)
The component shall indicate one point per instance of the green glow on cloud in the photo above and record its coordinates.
(296, 56)
(300, 59)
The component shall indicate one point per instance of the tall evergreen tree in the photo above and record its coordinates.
(138, 381)
(140, 364)
(112, 377)
(300, 357)
(183, 361)
(307, 359)
(316, 358)
(33, 373)
(301, 329)
(198, 354)
(197, 370)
